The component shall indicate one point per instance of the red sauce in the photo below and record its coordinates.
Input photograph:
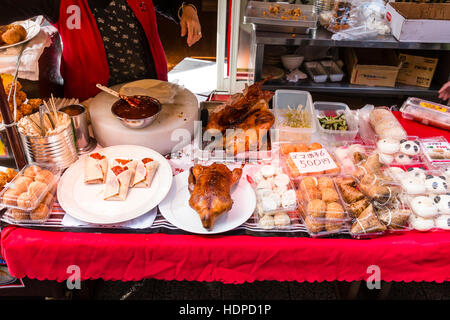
(147, 160)
(97, 156)
(147, 107)
(118, 170)
(122, 161)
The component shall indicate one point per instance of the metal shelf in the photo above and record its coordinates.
(323, 38)
(344, 88)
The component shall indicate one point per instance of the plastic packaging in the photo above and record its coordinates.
(30, 186)
(340, 19)
(384, 124)
(333, 109)
(282, 100)
(351, 154)
(321, 207)
(308, 160)
(426, 112)
(316, 71)
(335, 74)
(404, 152)
(275, 195)
(436, 151)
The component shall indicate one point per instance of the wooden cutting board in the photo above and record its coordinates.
(109, 131)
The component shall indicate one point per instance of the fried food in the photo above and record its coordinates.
(394, 218)
(20, 215)
(40, 212)
(314, 225)
(316, 208)
(324, 183)
(367, 222)
(14, 34)
(10, 197)
(44, 176)
(330, 195)
(358, 207)
(26, 200)
(3, 179)
(31, 171)
(11, 174)
(334, 217)
(350, 194)
(21, 183)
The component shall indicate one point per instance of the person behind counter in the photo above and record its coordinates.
(107, 41)
(444, 92)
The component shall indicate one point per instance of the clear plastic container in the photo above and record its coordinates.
(321, 207)
(316, 71)
(335, 74)
(426, 112)
(36, 216)
(275, 195)
(385, 124)
(282, 100)
(436, 151)
(308, 160)
(30, 186)
(334, 109)
(350, 154)
(404, 152)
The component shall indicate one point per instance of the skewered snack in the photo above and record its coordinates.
(210, 188)
(248, 115)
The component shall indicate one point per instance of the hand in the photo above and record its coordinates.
(190, 25)
(444, 93)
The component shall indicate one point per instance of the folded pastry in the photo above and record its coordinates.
(350, 194)
(367, 222)
(131, 164)
(145, 171)
(117, 183)
(95, 168)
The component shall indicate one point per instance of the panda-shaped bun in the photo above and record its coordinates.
(442, 202)
(401, 158)
(417, 172)
(410, 148)
(434, 184)
(424, 207)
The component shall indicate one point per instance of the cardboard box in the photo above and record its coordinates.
(416, 70)
(419, 22)
(372, 68)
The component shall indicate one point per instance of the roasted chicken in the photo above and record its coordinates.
(210, 188)
(249, 117)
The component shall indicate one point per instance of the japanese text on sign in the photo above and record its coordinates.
(313, 161)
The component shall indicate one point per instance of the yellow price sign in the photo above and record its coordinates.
(433, 106)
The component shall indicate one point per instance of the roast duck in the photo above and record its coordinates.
(248, 114)
(210, 188)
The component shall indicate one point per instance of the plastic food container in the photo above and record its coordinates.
(335, 74)
(326, 109)
(321, 206)
(27, 190)
(426, 112)
(38, 215)
(350, 154)
(308, 160)
(316, 71)
(436, 151)
(276, 197)
(292, 98)
(404, 152)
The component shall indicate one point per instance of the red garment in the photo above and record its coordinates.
(408, 256)
(84, 62)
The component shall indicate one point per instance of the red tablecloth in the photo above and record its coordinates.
(411, 256)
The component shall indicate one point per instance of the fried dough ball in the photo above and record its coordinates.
(26, 200)
(19, 215)
(20, 98)
(44, 176)
(330, 195)
(37, 188)
(324, 183)
(11, 173)
(315, 146)
(40, 213)
(10, 197)
(19, 115)
(316, 208)
(3, 179)
(47, 199)
(35, 103)
(335, 214)
(308, 182)
(14, 34)
(314, 225)
(21, 183)
(9, 85)
(31, 171)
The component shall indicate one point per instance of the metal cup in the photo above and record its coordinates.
(78, 116)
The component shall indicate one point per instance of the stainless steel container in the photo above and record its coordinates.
(58, 149)
(78, 116)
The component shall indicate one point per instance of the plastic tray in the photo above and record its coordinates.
(344, 154)
(334, 109)
(335, 74)
(292, 98)
(30, 181)
(426, 112)
(307, 156)
(384, 124)
(266, 188)
(401, 157)
(29, 217)
(436, 151)
(316, 71)
(321, 206)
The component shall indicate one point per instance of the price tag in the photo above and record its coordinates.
(439, 108)
(437, 151)
(313, 161)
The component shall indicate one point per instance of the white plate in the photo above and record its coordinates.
(175, 207)
(32, 31)
(85, 202)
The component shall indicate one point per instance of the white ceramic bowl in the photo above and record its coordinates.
(292, 61)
